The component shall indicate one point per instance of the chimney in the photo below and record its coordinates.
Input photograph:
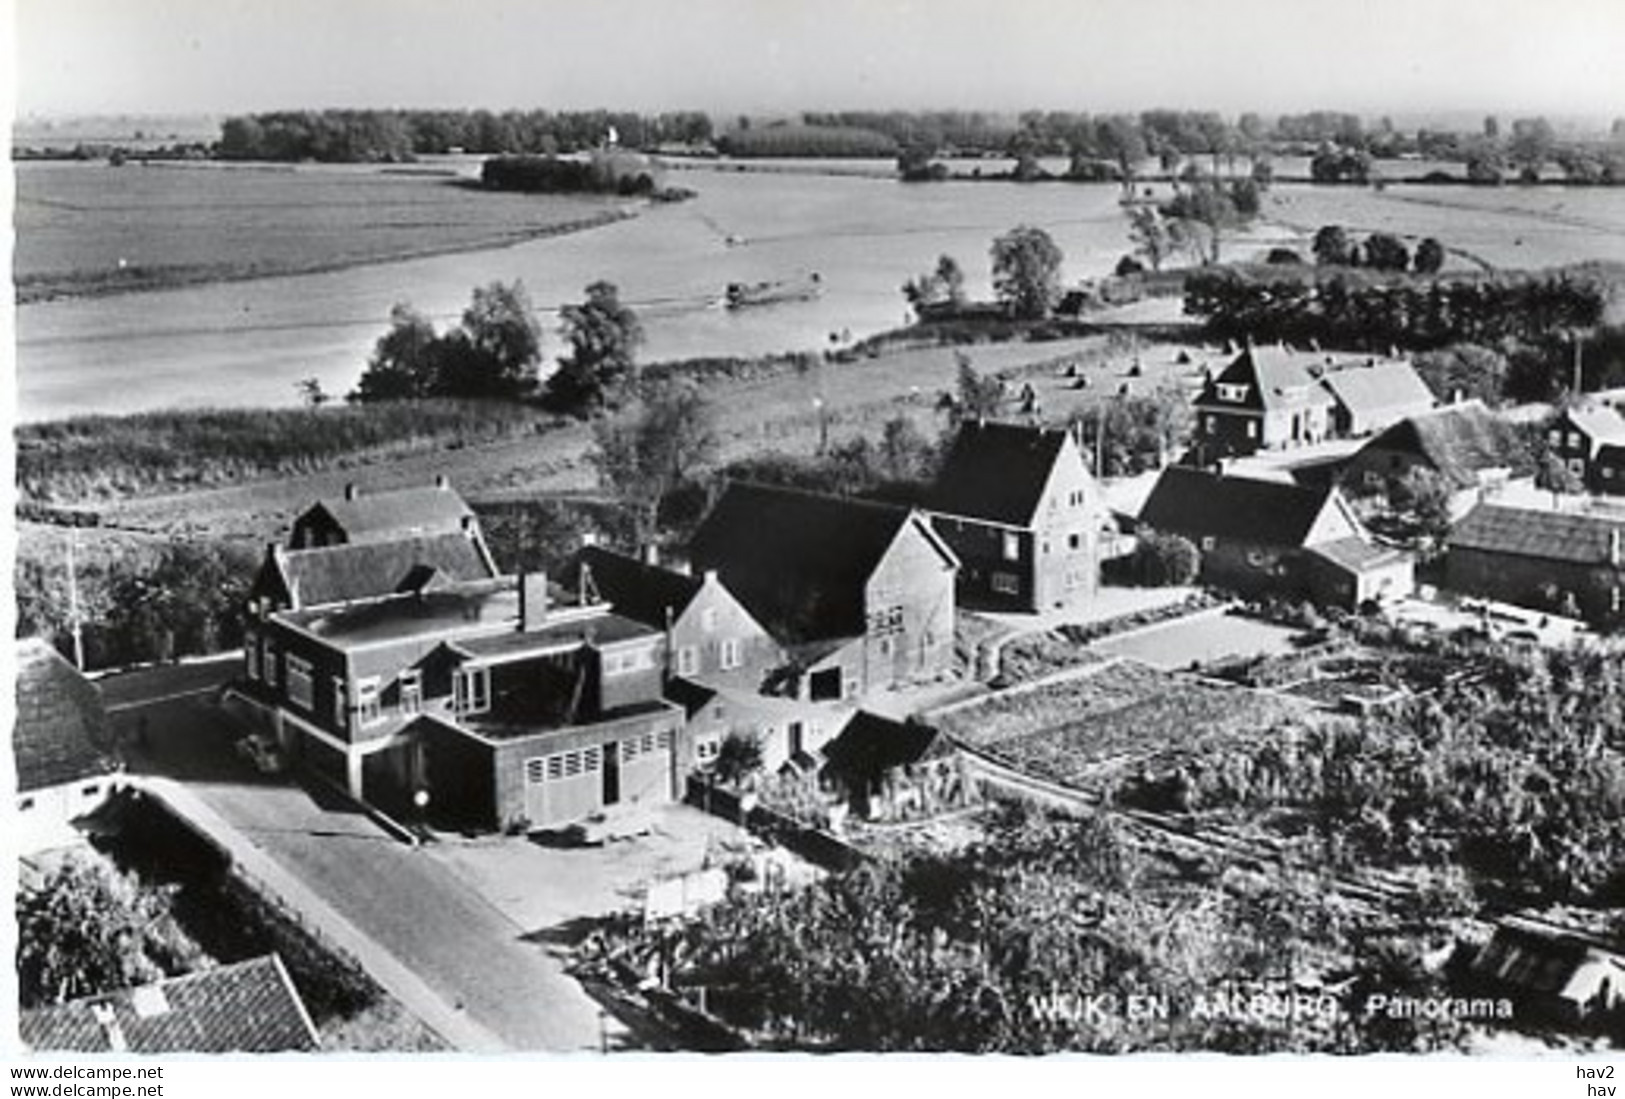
(682, 567)
(1613, 547)
(442, 482)
(108, 1019)
(711, 576)
(589, 538)
(532, 601)
(651, 554)
(350, 491)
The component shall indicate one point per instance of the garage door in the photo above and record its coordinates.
(563, 787)
(646, 767)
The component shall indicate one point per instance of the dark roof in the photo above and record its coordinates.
(637, 590)
(401, 513)
(1584, 538)
(596, 629)
(996, 472)
(798, 561)
(460, 608)
(1458, 441)
(249, 1007)
(870, 745)
(339, 574)
(1196, 503)
(61, 726)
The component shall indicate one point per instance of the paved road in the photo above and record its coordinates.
(408, 903)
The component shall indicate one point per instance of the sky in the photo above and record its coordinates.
(1560, 57)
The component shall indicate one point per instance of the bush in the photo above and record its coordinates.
(1166, 560)
(1128, 266)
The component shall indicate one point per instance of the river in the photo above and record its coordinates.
(248, 343)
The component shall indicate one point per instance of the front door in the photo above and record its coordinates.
(612, 773)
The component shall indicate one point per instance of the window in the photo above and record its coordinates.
(1074, 541)
(251, 656)
(1575, 441)
(626, 662)
(411, 688)
(1012, 546)
(688, 660)
(300, 687)
(1209, 542)
(706, 750)
(269, 664)
(471, 691)
(1210, 424)
(1007, 583)
(536, 770)
(708, 619)
(1231, 392)
(1252, 429)
(1607, 473)
(886, 620)
(1555, 436)
(338, 704)
(716, 712)
(1577, 467)
(366, 701)
(730, 654)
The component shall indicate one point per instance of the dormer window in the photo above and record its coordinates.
(1231, 392)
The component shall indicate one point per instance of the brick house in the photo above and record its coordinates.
(61, 747)
(506, 702)
(1272, 398)
(1589, 439)
(1541, 559)
(1275, 537)
(1474, 451)
(365, 546)
(788, 731)
(710, 636)
(860, 594)
(1018, 507)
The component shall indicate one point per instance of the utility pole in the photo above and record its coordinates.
(73, 604)
(1578, 380)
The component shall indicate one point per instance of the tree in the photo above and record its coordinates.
(653, 447)
(1166, 560)
(604, 336)
(1424, 495)
(86, 929)
(1120, 139)
(1332, 247)
(738, 757)
(405, 362)
(1027, 271)
(1463, 370)
(311, 393)
(1151, 236)
(977, 397)
(1531, 146)
(1386, 252)
(943, 286)
(1429, 257)
(905, 454)
(188, 602)
(1554, 475)
(495, 351)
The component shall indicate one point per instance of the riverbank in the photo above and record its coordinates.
(134, 278)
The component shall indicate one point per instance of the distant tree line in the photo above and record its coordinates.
(603, 173)
(368, 136)
(788, 140)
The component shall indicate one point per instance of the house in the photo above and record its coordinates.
(860, 594)
(1018, 507)
(1275, 537)
(1560, 973)
(1561, 561)
(788, 732)
(710, 636)
(366, 546)
(61, 746)
(1475, 452)
(891, 770)
(1372, 394)
(1273, 398)
(496, 703)
(246, 1007)
(1589, 439)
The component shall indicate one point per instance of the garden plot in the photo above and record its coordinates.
(1120, 713)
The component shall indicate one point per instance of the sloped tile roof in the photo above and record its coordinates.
(635, 589)
(1381, 391)
(996, 472)
(401, 513)
(249, 1007)
(1582, 538)
(1601, 423)
(798, 561)
(61, 729)
(1275, 377)
(870, 745)
(1356, 554)
(339, 574)
(1196, 503)
(1458, 441)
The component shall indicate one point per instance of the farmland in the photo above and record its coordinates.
(1076, 730)
(92, 229)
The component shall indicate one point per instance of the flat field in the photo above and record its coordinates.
(1511, 226)
(1120, 713)
(88, 228)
